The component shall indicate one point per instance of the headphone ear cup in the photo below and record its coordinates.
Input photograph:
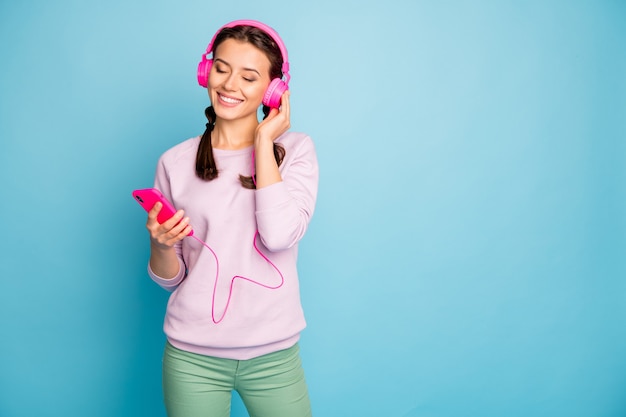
(204, 68)
(274, 92)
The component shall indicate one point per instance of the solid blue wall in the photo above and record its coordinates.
(467, 256)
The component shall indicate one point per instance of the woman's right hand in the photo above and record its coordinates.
(165, 235)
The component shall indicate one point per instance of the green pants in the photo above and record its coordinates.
(272, 385)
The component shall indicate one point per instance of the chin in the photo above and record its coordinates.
(230, 113)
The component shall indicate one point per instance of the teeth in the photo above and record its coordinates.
(230, 100)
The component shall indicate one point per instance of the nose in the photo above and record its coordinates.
(230, 82)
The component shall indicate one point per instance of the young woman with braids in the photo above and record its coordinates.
(248, 189)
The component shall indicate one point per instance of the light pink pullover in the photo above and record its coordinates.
(226, 216)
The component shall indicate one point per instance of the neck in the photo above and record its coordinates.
(233, 134)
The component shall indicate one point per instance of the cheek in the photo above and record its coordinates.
(212, 87)
(213, 79)
(257, 90)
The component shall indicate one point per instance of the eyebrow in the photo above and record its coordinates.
(245, 69)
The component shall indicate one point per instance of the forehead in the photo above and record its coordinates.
(241, 54)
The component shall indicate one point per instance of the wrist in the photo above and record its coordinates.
(261, 141)
(159, 248)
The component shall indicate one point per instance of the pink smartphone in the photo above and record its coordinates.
(148, 197)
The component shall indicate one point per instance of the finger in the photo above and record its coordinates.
(285, 110)
(284, 103)
(185, 232)
(180, 231)
(173, 221)
(157, 229)
(154, 211)
(166, 235)
(152, 223)
(179, 228)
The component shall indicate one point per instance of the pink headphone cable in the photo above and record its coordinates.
(232, 281)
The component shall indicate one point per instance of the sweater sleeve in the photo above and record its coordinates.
(162, 183)
(284, 209)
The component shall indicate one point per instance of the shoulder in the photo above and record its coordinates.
(296, 141)
(300, 155)
(181, 151)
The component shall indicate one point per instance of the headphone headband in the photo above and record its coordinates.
(267, 29)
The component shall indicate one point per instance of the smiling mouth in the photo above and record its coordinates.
(229, 100)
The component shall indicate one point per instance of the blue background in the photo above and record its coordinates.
(467, 255)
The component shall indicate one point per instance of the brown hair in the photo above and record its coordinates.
(206, 167)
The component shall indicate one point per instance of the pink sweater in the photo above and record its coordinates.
(226, 216)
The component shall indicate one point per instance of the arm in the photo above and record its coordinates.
(163, 237)
(274, 125)
(285, 202)
(166, 266)
(284, 209)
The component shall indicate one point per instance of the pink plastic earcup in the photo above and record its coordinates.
(274, 92)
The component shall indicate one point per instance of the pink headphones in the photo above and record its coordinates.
(276, 88)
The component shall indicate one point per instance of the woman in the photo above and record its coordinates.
(248, 189)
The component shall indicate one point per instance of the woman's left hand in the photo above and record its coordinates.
(276, 123)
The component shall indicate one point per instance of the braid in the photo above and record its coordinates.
(206, 168)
